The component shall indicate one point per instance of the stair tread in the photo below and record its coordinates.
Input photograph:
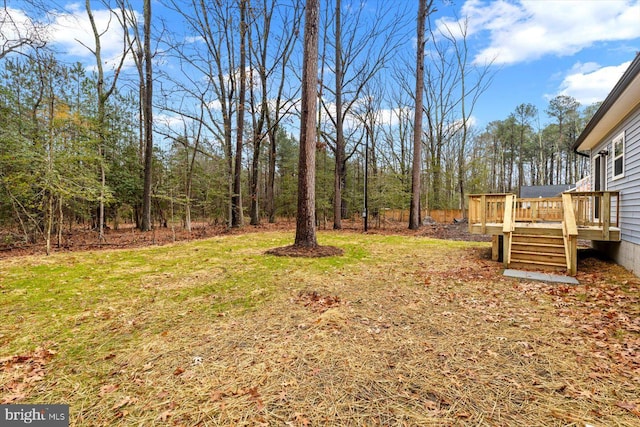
(540, 251)
(537, 236)
(546, 245)
(522, 261)
(531, 261)
(549, 254)
(538, 258)
(537, 248)
(550, 236)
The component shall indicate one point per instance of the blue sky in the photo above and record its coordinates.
(538, 48)
(544, 48)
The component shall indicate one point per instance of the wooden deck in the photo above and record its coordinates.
(585, 232)
(536, 232)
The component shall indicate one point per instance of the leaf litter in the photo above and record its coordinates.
(436, 336)
(19, 374)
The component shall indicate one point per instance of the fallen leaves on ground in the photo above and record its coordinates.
(19, 373)
(316, 302)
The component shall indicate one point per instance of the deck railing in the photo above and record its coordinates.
(487, 208)
(596, 207)
(591, 208)
(540, 209)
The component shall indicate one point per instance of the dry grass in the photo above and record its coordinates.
(400, 331)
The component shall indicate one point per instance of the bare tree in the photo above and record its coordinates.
(281, 103)
(368, 113)
(340, 154)
(147, 108)
(18, 30)
(362, 47)
(191, 141)
(237, 216)
(270, 58)
(103, 95)
(305, 220)
(472, 81)
(209, 75)
(414, 212)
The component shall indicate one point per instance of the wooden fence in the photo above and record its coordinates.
(439, 215)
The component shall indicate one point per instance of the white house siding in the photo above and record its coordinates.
(627, 252)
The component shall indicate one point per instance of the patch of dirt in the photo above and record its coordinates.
(454, 231)
(305, 251)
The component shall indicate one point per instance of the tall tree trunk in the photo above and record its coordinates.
(340, 145)
(414, 212)
(49, 222)
(271, 175)
(60, 222)
(190, 172)
(187, 216)
(254, 181)
(50, 154)
(260, 119)
(305, 219)
(102, 95)
(103, 186)
(237, 219)
(148, 119)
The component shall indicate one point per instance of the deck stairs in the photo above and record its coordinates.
(542, 233)
(538, 249)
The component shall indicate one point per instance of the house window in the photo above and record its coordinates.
(618, 156)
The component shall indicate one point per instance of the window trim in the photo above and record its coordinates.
(615, 156)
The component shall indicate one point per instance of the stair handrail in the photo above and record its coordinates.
(509, 221)
(508, 225)
(570, 234)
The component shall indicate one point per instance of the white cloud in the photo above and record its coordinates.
(71, 33)
(171, 121)
(13, 23)
(529, 29)
(586, 67)
(16, 27)
(214, 105)
(588, 84)
(391, 116)
(194, 39)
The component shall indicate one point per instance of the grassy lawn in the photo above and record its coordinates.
(397, 331)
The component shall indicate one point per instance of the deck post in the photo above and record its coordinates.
(570, 234)
(483, 213)
(495, 247)
(606, 214)
(507, 228)
(573, 247)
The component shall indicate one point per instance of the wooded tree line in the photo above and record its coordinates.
(519, 151)
(77, 144)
